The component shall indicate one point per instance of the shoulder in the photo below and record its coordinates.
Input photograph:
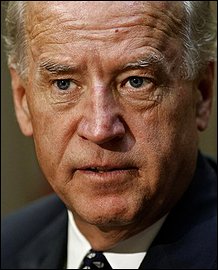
(195, 220)
(190, 229)
(22, 226)
(40, 211)
(212, 162)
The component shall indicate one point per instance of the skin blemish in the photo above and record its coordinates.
(116, 30)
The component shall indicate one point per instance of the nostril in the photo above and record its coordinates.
(84, 138)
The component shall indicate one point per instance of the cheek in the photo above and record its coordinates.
(166, 145)
(170, 125)
(166, 136)
(52, 132)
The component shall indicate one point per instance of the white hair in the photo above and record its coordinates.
(198, 35)
(15, 38)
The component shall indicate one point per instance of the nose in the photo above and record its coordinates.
(101, 122)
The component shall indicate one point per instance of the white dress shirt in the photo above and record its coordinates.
(128, 254)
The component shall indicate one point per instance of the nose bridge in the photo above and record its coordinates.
(100, 122)
(102, 103)
(102, 114)
(103, 107)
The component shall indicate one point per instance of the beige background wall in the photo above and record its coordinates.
(22, 180)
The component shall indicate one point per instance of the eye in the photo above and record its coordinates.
(62, 84)
(136, 82)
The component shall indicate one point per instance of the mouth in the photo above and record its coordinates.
(107, 173)
(105, 169)
(106, 179)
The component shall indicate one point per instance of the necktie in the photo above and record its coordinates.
(95, 260)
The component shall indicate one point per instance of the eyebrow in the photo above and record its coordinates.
(56, 68)
(151, 60)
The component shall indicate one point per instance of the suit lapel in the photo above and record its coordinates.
(187, 238)
(48, 249)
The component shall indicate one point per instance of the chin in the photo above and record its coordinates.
(113, 212)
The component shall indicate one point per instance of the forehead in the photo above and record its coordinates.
(102, 27)
(104, 7)
(88, 14)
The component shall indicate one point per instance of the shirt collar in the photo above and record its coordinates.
(127, 254)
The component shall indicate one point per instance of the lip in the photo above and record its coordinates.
(110, 168)
(107, 173)
(105, 168)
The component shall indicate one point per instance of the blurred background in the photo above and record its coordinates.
(21, 178)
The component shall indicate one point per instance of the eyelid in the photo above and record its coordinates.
(61, 79)
(53, 81)
(58, 80)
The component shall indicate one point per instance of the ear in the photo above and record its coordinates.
(20, 103)
(205, 84)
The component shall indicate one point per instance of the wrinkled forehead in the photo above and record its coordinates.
(99, 13)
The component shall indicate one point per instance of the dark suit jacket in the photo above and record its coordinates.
(36, 237)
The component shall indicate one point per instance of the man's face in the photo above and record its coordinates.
(114, 125)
